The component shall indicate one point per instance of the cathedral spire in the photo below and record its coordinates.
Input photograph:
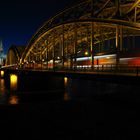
(1, 46)
(1, 53)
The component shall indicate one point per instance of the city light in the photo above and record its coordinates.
(2, 73)
(97, 57)
(65, 80)
(13, 81)
(86, 53)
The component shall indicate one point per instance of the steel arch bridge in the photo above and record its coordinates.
(91, 33)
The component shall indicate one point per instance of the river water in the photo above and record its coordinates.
(82, 109)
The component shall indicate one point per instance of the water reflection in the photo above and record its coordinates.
(13, 81)
(2, 86)
(2, 92)
(13, 100)
(66, 85)
(65, 81)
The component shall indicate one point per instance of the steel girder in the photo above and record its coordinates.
(106, 15)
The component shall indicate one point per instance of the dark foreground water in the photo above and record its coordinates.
(82, 109)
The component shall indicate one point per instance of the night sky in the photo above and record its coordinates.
(19, 19)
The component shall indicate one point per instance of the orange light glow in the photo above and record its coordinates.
(134, 61)
(13, 100)
(2, 86)
(13, 81)
(86, 53)
(2, 73)
(66, 96)
(65, 80)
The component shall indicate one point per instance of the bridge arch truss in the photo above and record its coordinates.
(88, 30)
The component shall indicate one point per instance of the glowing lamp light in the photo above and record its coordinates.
(13, 81)
(2, 73)
(65, 80)
(86, 53)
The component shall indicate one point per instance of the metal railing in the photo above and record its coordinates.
(132, 70)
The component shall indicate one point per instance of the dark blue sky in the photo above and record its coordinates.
(19, 19)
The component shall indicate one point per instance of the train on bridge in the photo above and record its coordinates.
(106, 61)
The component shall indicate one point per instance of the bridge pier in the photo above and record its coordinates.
(34, 81)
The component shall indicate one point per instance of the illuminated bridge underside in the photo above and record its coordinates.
(14, 54)
(82, 34)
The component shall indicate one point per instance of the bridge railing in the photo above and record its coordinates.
(112, 69)
(121, 69)
(13, 66)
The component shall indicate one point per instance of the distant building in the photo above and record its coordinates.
(2, 56)
(14, 54)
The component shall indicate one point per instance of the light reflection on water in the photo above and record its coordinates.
(12, 95)
(2, 92)
(2, 86)
(6, 95)
(13, 81)
(13, 100)
(71, 90)
(85, 116)
(66, 85)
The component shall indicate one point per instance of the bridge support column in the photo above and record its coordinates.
(119, 38)
(63, 39)
(135, 17)
(47, 57)
(53, 53)
(41, 58)
(117, 3)
(92, 45)
(46, 53)
(92, 36)
(75, 46)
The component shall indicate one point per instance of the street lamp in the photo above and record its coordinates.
(86, 53)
